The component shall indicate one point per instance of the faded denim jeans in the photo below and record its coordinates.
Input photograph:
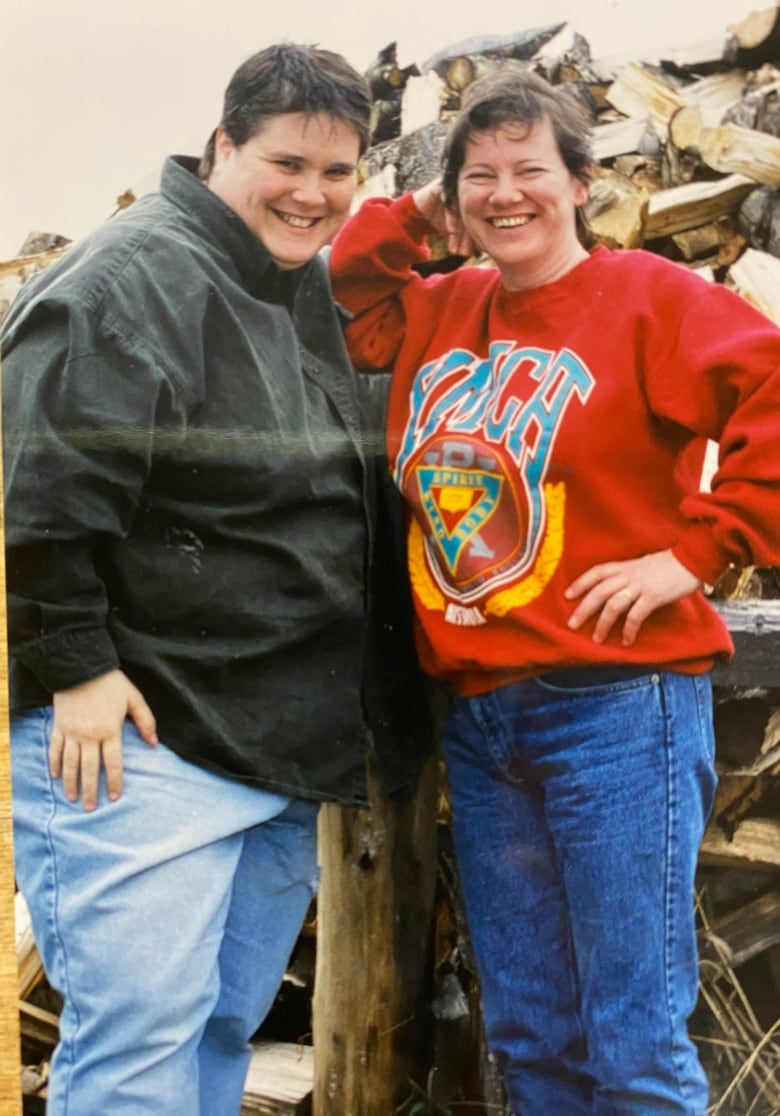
(166, 919)
(580, 799)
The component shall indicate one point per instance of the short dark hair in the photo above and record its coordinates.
(288, 77)
(520, 97)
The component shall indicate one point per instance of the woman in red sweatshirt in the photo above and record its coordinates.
(547, 424)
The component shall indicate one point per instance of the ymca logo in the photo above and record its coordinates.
(474, 457)
(458, 503)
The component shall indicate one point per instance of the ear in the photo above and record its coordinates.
(582, 188)
(223, 146)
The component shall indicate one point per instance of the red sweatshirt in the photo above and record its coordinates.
(536, 433)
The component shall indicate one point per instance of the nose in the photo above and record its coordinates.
(309, 190)
(506, 189)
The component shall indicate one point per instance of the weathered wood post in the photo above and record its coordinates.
(10, 1062)
(373, 948)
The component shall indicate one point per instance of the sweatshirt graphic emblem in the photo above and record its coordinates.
(488, 530)
(459, 504)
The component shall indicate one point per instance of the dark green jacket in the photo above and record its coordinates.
(191, 496)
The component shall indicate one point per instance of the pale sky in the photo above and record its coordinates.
(94, 95)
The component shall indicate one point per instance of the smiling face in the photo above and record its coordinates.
(517, 201)
(292, 182)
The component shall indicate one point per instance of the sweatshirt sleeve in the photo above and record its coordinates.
(718, 376)
(78, 417)
(372, 274)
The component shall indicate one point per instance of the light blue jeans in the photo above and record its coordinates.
(165, 919)
(579, 802)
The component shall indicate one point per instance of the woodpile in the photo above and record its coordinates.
(688, 166)
(688, 150)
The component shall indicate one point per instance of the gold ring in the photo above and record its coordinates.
(626, 593)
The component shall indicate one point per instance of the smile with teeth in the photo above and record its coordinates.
(295, 221)
(510, 222)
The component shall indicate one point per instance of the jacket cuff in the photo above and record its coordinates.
(62, 661)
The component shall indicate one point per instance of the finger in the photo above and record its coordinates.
(142, 717)
(590, 579)
(112, 764)
(70, 768)
(634, 621)
(56, 745)
(597, 599)
(618, 603)
(90, 775)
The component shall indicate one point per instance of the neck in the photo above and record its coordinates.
(524, 277)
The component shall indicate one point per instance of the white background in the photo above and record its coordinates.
(94, 94)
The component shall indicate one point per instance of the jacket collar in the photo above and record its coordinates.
(258, 272)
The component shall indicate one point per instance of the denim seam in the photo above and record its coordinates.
(487, 715)
(670, 886)
(65, 1052)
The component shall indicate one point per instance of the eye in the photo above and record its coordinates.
(477, 176)
(339, 172)
(288, 165)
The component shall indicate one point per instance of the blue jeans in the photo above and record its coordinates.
(579, 802)
(166, 920)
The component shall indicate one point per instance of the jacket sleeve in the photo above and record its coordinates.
(372, 275)
(719, 377)
(79, 404)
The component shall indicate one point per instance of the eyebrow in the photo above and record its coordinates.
(486, 164)
(298, 158)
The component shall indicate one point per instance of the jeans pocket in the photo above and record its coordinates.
(703, 690)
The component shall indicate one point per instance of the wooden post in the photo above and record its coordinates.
(374, 939)
(10, 1061)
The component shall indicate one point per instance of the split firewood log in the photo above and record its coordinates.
(726, 149)
(756, 843)
(681, 159)
(756, 276)
(700, 243)
(616, 211)
(618, 137)
(743, 933)
(459, 65)
(759, 106)
(643, 170)
(731, 149)
(732, 242)
(641, 91)
(422, 102)
(28, 960)
(757, 38)
(696, 203)
(715, 94)
(522, 45)
(567, 59)
(379, 185)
